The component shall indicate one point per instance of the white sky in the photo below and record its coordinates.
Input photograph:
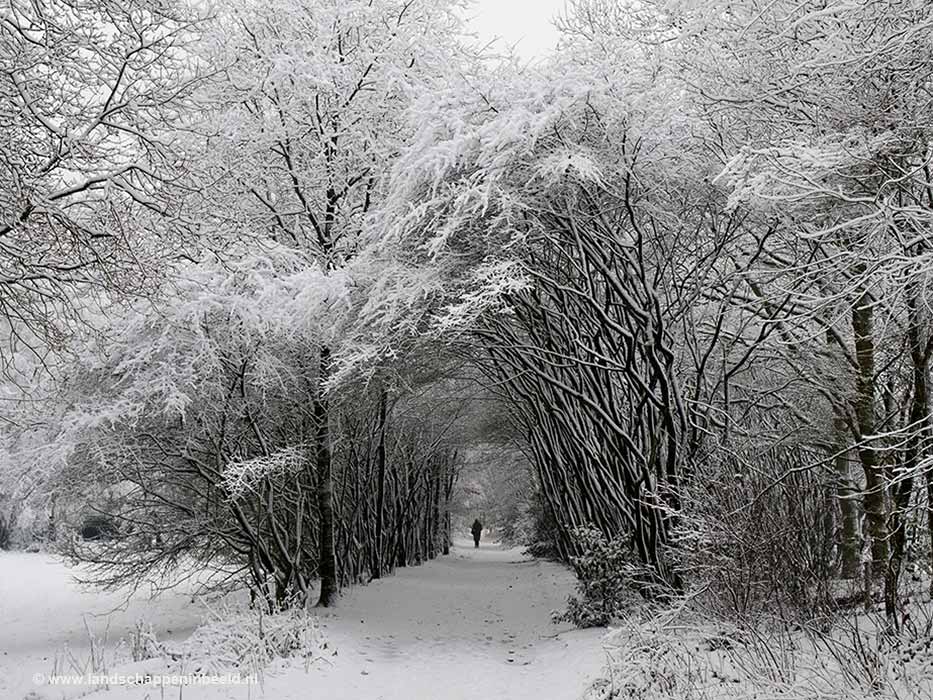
(523, 23)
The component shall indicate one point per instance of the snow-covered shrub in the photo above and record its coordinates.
(759, 536)
(232, 639)
(605, 575)
(678, 654)
(143, 644)
(236, 638)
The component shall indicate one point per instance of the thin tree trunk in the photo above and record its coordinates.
(929, 475)
(327, 567)
(850, 543)
(916, 445)
(438, 512)
(381, 487)
(450, 476)
(862, 327)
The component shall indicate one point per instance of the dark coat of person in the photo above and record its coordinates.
(477, 530)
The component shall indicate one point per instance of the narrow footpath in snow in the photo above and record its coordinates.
(475, 624)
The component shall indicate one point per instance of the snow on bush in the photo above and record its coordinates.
(233, 638)
(678, 654)
(605, 574)
(237, 638)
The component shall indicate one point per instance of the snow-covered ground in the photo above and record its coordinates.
(42, 610)
(475, 624)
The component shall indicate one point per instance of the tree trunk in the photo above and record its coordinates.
(436, 506)
(862, 322)
(381, 487)
(850, 543)
(450, 477)
(327, 566)
(913, 450)
(929, 475)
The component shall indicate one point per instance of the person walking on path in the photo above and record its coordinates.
(477, 530)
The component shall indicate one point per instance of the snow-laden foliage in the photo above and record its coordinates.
(310, 111)
(814, 118)
(164, 427)
(93, 178)
(679, 654)
(250, 641)
(195, 431)
(606, 576)
(243, 476)
(165, 360)
(533, 219)
(465, 195)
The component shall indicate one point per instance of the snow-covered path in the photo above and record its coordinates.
(475, 624)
